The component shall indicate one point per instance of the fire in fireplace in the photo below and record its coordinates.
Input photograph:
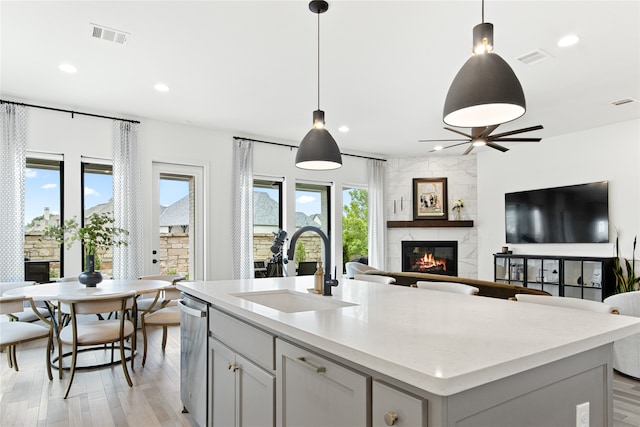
(436, 257)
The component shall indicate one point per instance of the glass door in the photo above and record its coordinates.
(178, 213)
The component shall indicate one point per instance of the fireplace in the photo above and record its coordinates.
(436, 257)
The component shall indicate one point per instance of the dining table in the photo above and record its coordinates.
(50, 292)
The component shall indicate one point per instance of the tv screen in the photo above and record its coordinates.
(572, 214)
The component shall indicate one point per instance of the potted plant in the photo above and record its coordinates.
(98, 232)
(626, 279)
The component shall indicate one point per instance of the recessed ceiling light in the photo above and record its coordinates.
(343, 128)
(161, 87)
(67, 68)
(569, 40)
(438, 147)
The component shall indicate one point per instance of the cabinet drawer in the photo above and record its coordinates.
(314, 391)
(257, 345)
(391, 406)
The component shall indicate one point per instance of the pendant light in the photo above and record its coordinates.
(485, 91)
(318, 150)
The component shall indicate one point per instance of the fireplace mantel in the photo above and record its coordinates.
(429, 223)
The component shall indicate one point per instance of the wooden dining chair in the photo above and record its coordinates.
(95, 332)
(158, 301)
(30, 313)
(167, 315)
(14, 333)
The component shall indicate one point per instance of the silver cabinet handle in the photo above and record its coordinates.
(304, 362)
(191, 311)
(233, 367)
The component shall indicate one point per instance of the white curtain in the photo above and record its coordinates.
(128, 261)
(13, 146)
(242, 239)
(377, 226)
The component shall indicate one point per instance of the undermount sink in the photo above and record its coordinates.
(289, 301)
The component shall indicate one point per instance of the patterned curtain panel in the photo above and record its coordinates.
(13, 146)
(377, 228)
(242, 239)
(128, 261)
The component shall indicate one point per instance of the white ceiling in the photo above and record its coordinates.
(250, 66)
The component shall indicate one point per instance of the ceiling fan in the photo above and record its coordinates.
(482, 136)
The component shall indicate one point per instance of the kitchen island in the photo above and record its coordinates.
(454, 360)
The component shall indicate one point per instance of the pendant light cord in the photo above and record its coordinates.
(319, 60)
(483, 11)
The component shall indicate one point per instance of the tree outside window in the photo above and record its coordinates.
(355, 228)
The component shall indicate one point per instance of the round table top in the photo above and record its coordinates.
(52, 291)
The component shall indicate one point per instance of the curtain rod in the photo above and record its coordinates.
(294, 146)
(2, 101)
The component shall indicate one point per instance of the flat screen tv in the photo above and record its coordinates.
(572, 214)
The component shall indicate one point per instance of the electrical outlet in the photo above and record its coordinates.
(582, 415)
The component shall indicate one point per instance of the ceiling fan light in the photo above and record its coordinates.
(485, 92)
(478, 142)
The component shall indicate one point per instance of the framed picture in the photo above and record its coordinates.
(429, 198)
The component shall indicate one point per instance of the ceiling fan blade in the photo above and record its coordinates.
(450, 146)
(459, 132)
(513, 132)
(442, 140)
(496, 146)
(468, 150)
(517, 139)
(484, 132)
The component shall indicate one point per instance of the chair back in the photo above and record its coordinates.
(173, 278)
(579, 304)
(386, 280)
(457, 288)
(12, 304)
(96, 304)
(5, 286)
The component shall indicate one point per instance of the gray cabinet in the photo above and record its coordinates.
(391, 406)
(242, 393)
(315, 391)
(242, 380)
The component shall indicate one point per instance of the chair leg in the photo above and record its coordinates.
(13, 358)
(123, 361)
(59, 358)
(164, 338)
(49, 349)
(144, 343)
(9, 361)
(72, 370)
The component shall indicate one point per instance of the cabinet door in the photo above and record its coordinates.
(223, 393)
(255, 395)
(393, 407)
(314, 391)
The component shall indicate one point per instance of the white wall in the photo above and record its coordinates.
(56, 132)
(610, 153)
(460, 172)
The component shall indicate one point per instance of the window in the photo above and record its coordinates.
(267, 220)
(355, 227)
(43, 199)
(97, 197)
(312, 209)
(176, 219)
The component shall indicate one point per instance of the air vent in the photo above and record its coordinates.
(624, 101)
(109, 34)
(534, 57)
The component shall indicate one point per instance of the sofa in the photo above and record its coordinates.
(487, 288)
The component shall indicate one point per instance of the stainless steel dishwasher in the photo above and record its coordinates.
(193, 357)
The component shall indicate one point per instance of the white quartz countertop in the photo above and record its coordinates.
(440, 342)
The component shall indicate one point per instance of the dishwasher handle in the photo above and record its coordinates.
(191, 311)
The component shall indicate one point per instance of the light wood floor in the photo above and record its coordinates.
(102, 398)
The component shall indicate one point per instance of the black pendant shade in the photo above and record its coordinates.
(485, 91)
(318, 150)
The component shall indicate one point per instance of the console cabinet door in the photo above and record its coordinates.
(393, 407)
(314, 391)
